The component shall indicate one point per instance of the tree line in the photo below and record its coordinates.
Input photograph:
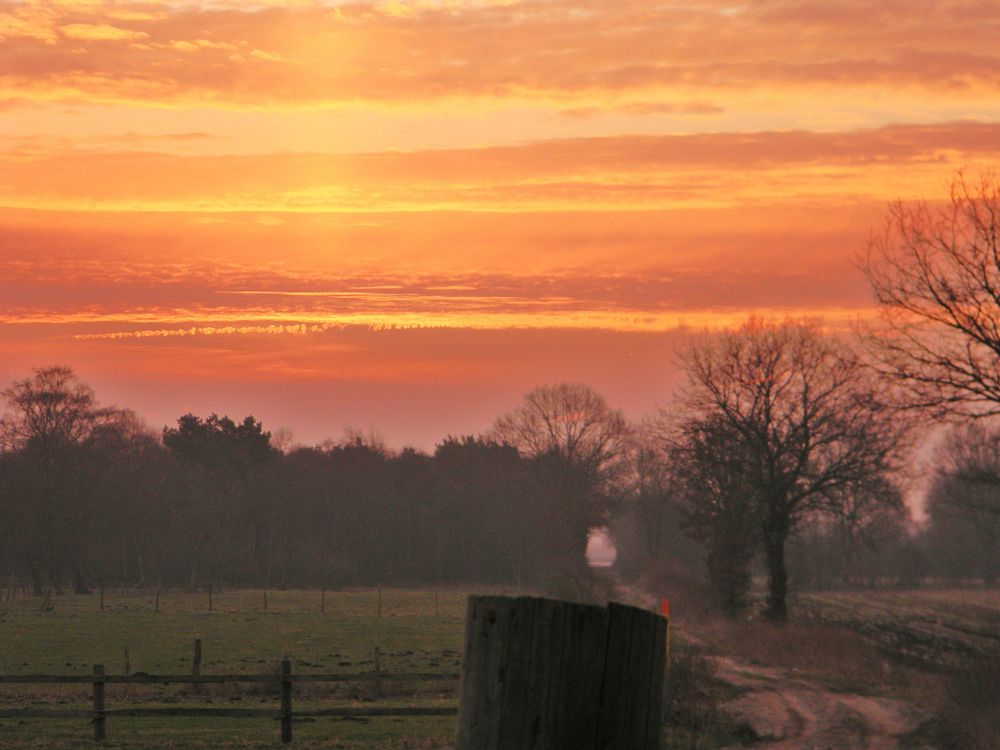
(88, 495)
(786, 452)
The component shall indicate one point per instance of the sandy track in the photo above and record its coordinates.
(787, 711)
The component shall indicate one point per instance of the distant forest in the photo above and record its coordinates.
(90, 496)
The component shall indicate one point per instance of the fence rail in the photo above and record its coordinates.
(100, 712)
(217, 679)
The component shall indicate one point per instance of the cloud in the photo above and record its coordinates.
(100, 32)
(630, 171)
(557, 51)
(559, 272)
(645, 108)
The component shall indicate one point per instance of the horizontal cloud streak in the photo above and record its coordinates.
(630, 170)
(309, 54)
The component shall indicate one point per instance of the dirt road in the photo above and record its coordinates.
(786, 711)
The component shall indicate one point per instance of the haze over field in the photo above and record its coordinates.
(407, 214)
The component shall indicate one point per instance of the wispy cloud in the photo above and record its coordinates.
(306, 54)
(623, 171)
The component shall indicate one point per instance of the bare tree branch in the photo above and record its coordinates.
(935, 272)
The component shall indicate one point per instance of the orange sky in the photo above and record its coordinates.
(406, 214)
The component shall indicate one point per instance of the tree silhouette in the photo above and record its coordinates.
(935, 272)
(793, 420)
(579, 446)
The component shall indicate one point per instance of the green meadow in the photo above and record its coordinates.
(413, 630)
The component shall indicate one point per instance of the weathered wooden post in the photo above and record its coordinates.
(539, 674)
(632, 696)
(99, 705)
(665, 611)
(128, 671)
(378, 672)
(286, 701)
(196, 665)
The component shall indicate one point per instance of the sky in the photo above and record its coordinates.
(402, 216)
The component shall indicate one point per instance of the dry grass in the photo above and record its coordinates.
(968, 708)
(837, 656)
(693, 718)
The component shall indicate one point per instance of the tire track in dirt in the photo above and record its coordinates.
(786, 711)
(789, 712)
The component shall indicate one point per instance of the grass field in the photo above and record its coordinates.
(932, 627)
(417, 631)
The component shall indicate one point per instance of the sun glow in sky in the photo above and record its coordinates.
(406, 214)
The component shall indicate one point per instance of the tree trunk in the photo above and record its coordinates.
(138, 559)
(193, 580)
(775, 535)
(79, 582)
(37, 582)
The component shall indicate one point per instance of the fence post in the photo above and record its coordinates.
(128, 671)
(665, 613)
(378, 672)
(531, 674)
(196, 664)
(547, 675)
(99, 704)
(632, 695)
(286, 701)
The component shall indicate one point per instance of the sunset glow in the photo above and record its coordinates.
(406, 214)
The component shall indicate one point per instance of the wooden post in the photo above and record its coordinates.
(632, 696)
(322, 601)
(549, 675)
(102, 597)
(99, 705)
(286, 702)
(196, 664)
(380, 602)
(378, 672)
(156, 604)
(665, 612)
(209, 597)
(128, 671)
(265, 599)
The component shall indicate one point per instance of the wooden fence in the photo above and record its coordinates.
(99, 713)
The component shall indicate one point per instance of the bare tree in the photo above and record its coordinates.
(935, 272)
(971, 453)
(805, 419)
(653, 487)
(52, 409)
(579, 445)
(55, 429)
(715, 481)
(964, 500)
